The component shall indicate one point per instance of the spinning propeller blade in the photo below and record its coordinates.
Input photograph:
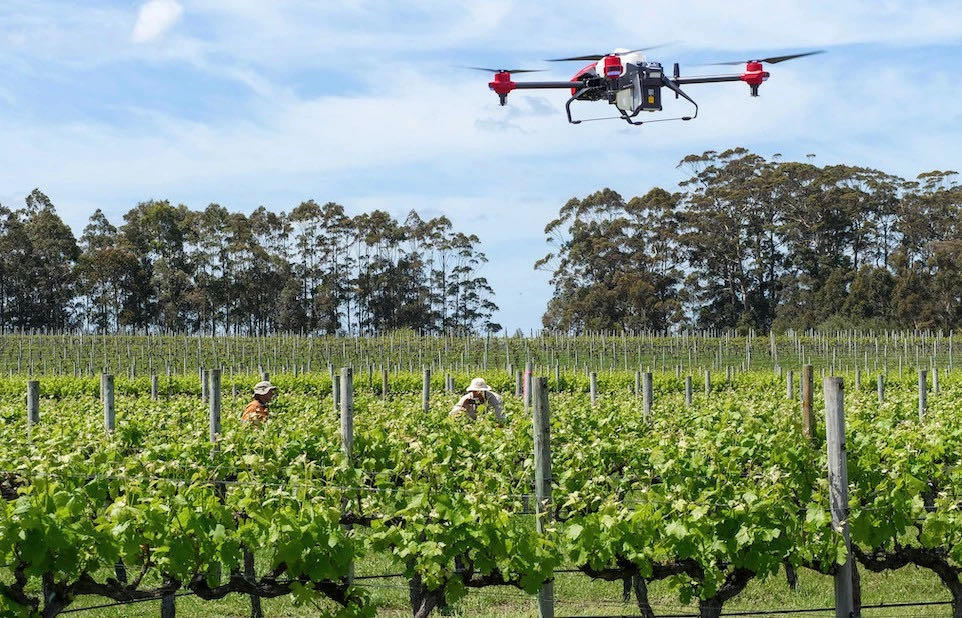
(771, 60)
(600, 56)
(512, 71)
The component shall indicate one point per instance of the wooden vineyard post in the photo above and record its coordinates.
(593, 387)
(880, 387)
(808, 419)
(250, 572)
(214, 406)
(213, 387)
(110, 418)
(838, 491)
(858, 379)
(790, 385)
(935, 381)
(204, 385)
(542, 485)
(426, 391)
(646, 394)
(335, 392)
(557, 376)
(518, 384)
(922, 398)
(527, 386)
(384, 384)
(154, 387)
(688, 391)
(347, 429)
(637, 384)
(33, 404)
(707, 381)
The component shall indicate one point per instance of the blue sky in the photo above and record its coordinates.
(249, 102)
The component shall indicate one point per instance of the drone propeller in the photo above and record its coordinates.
(600, 56)
(512, 71)
(771, 60)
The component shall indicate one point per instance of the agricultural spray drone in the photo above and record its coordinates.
(625, 79)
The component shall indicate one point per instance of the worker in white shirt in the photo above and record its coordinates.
(479, 393)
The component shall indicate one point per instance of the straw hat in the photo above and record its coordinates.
(478, 384)
(262, 388)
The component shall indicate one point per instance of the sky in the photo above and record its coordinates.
(104, 104)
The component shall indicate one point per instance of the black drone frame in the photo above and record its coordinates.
(600, 88)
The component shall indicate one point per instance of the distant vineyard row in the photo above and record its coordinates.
(75, 354)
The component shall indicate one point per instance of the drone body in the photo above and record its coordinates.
(625, 79)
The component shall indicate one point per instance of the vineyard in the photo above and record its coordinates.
(688, 473)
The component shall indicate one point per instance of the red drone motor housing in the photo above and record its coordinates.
(502, 84)
(754, 75)
(613, 67)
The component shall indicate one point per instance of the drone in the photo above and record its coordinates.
(625, 79)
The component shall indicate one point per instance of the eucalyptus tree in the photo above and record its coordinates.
(106, 269)
(614, 264)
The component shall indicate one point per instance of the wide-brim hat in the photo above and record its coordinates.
(478, 384)
(262, 388)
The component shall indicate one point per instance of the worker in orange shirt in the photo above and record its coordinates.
(256, 411)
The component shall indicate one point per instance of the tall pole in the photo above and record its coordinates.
(542, 485)
(110, 418)
(646, 394)
(33, 404)
(347, 430)
(838, 491)
(923, 374)
(426, 390)
(808, 419)
(213, 392)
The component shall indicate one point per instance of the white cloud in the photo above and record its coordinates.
(155, 18)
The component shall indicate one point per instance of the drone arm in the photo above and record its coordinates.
(545, 85)
(705, 79)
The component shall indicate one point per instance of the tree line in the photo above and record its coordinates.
(754, 242)
(169, 268)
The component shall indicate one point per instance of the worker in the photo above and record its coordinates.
(256, 411)
(478, 393)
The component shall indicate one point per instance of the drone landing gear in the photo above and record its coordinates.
(678, 92)
(629, 118)
(574, 98)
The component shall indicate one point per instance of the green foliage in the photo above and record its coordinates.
(762, 244)
(167, 267)
(696, 495)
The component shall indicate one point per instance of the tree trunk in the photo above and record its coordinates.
(423, 601)
(641, 596)
(251, 575)
(791, 576)
(709, 608)
(856, 588)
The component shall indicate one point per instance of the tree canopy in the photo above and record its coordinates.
(169, 268)
(749, 242)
